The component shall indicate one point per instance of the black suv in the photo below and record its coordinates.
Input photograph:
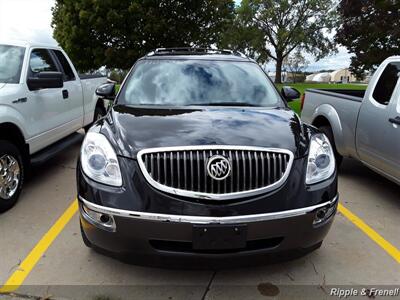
(200, 162)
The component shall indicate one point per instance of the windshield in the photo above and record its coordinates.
(11, 59)
(198, 82)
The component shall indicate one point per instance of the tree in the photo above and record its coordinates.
(246, 39)
(295, 63)
(115, 33)
(370, 30)
(285, 25)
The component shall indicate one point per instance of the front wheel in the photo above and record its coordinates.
(327, 130)
(11, 175)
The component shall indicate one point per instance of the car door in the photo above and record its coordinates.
(377, 137)
(45, 108)
(72, 93)
(393, 136)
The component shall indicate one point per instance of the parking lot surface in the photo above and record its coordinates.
(67, 269)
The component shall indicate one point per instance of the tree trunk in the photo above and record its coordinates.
(278, 70)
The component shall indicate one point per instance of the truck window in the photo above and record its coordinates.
(11, 59)
(41, 61)
(386, 83)
(68, 73)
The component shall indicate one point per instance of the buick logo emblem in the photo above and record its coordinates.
(218, 167)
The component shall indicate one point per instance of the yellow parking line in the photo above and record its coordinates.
(372, 234)
(18, 277)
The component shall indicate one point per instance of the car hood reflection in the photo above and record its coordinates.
(133, 128)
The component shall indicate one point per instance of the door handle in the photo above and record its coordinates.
(65, 94)
(395, 120)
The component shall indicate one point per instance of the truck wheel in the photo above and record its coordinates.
(99, 112)
(327, 130)
(11, 175)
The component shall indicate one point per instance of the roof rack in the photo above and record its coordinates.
(194, 51)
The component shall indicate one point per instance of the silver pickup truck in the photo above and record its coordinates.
(364, 125)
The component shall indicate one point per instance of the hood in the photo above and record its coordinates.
(131, 128)
(2, 84)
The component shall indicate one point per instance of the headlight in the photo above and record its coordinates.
(99, 161)
(321, 160)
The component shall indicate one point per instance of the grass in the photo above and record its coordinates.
(301, 87)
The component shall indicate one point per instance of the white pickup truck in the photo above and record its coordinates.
(43, 102)
(362, 125)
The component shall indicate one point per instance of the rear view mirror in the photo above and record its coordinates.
(106, 91)
(45, 80)
(290, 93)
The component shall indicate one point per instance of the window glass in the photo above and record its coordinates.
(386, 83)
(11, 60)
(199, 82)
(68, 73)
(41, 61)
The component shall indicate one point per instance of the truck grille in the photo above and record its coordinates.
(184, 170)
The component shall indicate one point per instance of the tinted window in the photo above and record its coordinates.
(11, 59)
(386, 83)
(68, 73)
(41, 61)
(198, 82)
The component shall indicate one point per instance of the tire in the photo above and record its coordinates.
(327, 130)
(84, 237)
(99, 112)
(12, 175)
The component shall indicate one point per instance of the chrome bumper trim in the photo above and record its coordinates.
(206, 220)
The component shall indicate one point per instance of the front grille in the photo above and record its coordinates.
(184, 170)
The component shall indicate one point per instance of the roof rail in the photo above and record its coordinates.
(193, 51)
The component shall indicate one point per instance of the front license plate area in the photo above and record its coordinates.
(219, 237)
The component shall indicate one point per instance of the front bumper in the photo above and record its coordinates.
(163, 239)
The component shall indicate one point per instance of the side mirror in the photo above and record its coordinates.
(106, 91)
(45, 80)
(290, 93)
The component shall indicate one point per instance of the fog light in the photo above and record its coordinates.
(323, 214)
(100, 220)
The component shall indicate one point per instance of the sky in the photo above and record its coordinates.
(31, 19)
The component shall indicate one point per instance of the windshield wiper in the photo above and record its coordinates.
(225, 104)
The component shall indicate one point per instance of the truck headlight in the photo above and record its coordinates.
(321, 160)
(99, 161)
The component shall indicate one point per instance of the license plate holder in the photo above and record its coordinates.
(219, 237)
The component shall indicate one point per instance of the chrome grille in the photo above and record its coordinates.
(183, 170)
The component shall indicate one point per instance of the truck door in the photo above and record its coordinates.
(378, 132)
(72, 93)
(43, 110)
(393, 136)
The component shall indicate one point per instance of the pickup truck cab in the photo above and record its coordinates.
(43, 100)
(364, 125)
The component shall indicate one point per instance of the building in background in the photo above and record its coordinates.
(318, 77)
(342, 76)
(337, 76)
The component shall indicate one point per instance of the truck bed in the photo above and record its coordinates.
(341, 108)
(355, 95)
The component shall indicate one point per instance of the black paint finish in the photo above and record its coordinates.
(133, 128)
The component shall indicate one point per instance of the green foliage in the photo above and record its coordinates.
(283, 25)
(114, 33)
(370, 30)
(118, 75)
